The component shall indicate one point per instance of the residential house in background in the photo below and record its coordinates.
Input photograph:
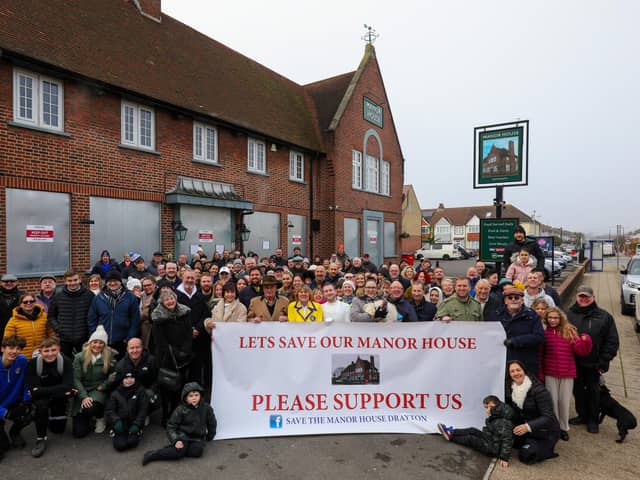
(500, 161)
(461, 225)
(410, 234)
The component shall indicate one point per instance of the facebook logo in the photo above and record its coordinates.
(275, 421)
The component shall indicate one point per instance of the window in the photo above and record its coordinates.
(389, 239)
(474, 228)
(356, 166)
(37, 100)
(138, 126)
(443, 229)
(425, 230)
(296, 166)
(458, 230)
(256, 160)
(205, 143)
(372, 179)
(384, 180)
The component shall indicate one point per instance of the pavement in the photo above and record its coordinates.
(587, 456)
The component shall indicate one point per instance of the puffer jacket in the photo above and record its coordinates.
(90, 383)
(13, 387)
(192, 423)
(68, 314)
(558, 358)
(32, 328)
(121, 322)
(499, 428)
(601, 327)
(536, 411)
(128, 404)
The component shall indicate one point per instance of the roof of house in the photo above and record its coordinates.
(112, 43)
(461, 215)
(327, 95)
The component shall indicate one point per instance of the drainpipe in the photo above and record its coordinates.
(310, 230)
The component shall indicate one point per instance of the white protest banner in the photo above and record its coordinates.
(274, 379)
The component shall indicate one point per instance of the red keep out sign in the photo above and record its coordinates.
(296, 240)
(205, 236)
(39, 233)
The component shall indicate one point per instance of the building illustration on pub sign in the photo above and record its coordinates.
(500, 160)
(347, 371)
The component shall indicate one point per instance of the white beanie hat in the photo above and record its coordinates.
(133, 282)
(99, 334)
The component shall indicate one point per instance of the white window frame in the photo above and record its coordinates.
(256, 165)
(474, 228)
(136, 126)
(372, 174)
(458, 230)
(37, 118)
(385, 178)
(205, 143)
(296, 166)
(356, 169)
(444, 229)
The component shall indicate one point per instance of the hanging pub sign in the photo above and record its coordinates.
(372, 112)
(501, 155)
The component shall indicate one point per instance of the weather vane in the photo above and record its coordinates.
(371, 34)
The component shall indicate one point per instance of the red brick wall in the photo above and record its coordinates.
(90, 163)
(349, 135)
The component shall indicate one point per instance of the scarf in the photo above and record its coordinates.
(113, 296)
(519, 392)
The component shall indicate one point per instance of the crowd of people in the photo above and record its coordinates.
(136, 337)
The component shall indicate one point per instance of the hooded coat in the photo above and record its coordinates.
(127, 404)
(192, 423)
(499, 430)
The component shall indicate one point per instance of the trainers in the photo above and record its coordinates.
(39, 448)
(446, 432)
(577, 420)
(101, 425)
(17, 440)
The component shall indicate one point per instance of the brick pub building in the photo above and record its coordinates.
(119, 124)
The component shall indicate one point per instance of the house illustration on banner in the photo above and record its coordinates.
(358, 372)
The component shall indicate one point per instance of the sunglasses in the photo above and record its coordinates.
(514, 297)
(28, 302)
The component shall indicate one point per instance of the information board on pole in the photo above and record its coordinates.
(495, 235)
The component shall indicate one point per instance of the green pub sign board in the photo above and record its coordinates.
(372, 112)
(495, 235)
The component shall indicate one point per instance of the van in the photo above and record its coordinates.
(439, 251)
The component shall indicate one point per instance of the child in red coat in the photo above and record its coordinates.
(562, 342)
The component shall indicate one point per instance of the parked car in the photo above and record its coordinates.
(548, 269)
(630, 286)
(637, 322)
(464, 253)
(438, 251)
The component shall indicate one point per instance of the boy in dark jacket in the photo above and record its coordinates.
(50, 382)
(495, 439)
(126, 411)
(190, 425)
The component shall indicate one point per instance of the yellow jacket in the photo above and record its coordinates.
(33, 331)
(295, 312)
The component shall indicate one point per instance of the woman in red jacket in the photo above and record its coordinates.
(562, 342)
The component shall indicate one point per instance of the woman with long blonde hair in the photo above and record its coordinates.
(562, 342)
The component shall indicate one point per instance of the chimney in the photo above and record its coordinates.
(149, 8)
(440, 207)
(512, 150)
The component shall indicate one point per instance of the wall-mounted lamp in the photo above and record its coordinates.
(290, 223)
(274, 147)
(244, 231)
(180, 230)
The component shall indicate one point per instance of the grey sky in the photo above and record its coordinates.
(569, 67)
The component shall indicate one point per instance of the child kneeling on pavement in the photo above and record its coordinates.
(126, 411)
(190, 424)
(495, 439)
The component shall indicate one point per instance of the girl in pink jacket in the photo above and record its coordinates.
(562, 342)
(519, 269)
